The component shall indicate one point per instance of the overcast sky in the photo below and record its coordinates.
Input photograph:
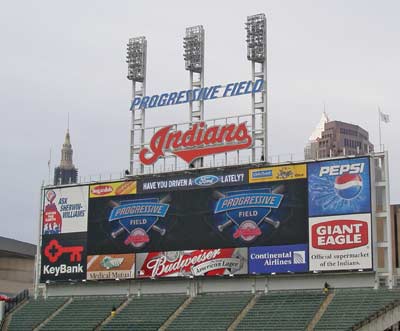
(60, 57)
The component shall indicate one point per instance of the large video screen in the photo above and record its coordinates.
(293, 218)
(260, 214)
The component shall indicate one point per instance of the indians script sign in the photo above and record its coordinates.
(196, 142)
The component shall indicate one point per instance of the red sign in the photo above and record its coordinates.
(54, 250)
(101, 189)
(196, 142)
(204, 262)
(339, 234)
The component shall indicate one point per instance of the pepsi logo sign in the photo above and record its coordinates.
(206, 180)
(348, 186)
(101, 189)
(340, 169)
(339, 234)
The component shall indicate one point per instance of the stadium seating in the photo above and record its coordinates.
(84, 313)
(350, 306)
(286, 310)
(34, 312)
(147, 312)
(210, 312)
(276, 310)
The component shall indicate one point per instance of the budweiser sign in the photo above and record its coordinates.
(206, 262)
(196, 142)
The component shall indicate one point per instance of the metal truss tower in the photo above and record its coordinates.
(193, 44)
(382, 226)
(136, 59)
(256, 27)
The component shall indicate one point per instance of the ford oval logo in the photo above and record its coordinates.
(206, 180)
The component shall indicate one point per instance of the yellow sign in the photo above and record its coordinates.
(270, 174)
(112, 189)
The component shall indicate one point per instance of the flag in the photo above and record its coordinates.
(384, 117)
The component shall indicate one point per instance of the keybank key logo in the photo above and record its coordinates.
(53, 251)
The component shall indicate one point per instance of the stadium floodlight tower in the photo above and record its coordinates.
(256, 27)
(193, 44)
(136, 59)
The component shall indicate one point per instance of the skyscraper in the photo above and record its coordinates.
(66, 173)
(336, 138)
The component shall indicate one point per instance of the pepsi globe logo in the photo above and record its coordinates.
(348, 186)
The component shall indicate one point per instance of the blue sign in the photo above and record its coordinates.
(197, 94)
(249, 199)
(206, 180)
(142, 207)
(136, 218)
(339, 187)
(279, 259)
(262, 173)
(247, 211)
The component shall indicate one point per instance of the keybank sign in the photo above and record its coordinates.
(198, 94)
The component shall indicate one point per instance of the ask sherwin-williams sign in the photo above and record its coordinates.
(65, 210)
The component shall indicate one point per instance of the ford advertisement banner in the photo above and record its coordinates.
(339, 187)
(193, 181)
(203, 262)
(340, 242)
(278, 259)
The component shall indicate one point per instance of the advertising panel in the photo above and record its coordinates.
(339, 187)
(262, 214)
(340, 242)
(193, 181)
(207, 262)
(279, 259)
(112, 189)
(63, 257)
(271, 174)
(110, 266)
(65, 210)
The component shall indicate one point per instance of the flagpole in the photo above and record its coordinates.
(380, 133)
(49, 166)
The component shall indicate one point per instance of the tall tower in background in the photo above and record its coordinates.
(336, 138)
(66, 173)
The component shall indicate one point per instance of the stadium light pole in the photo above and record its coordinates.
(193, 45)
(256, 38)
(136, 59)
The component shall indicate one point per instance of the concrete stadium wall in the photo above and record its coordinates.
(16, 274)
(204, 285)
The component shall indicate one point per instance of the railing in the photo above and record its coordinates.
(16, 300)
(376, 314)
(208, 162)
